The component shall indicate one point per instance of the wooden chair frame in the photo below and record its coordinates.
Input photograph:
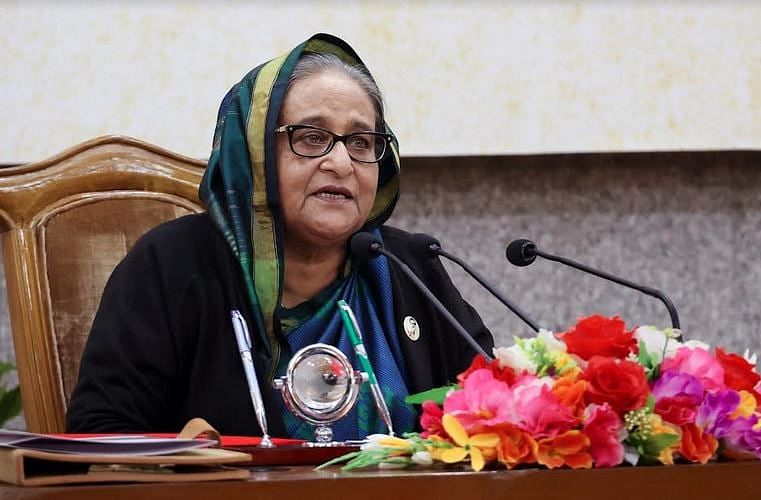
(109, 167)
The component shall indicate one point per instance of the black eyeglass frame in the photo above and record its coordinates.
(290, 129)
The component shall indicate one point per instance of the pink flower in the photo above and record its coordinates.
(539, 411)
(482, 402)
(605, 430)
(697, 362)
(430, 420)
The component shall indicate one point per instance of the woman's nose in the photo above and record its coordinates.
(338, 160)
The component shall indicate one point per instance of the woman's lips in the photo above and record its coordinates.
(333, 193)
(332, 196)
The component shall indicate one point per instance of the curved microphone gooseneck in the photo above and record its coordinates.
(522, 252)
(426, 246)
(367, 246)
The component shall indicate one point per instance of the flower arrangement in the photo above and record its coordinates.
(597, 395)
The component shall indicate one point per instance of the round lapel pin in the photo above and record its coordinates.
(411, 328)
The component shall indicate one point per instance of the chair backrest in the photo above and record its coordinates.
(65, 224)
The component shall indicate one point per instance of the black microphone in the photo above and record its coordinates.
(367, 246)
(426, 246)
(523, 252)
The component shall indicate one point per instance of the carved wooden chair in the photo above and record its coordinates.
(65, 223)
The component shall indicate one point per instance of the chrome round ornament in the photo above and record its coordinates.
(320, 386)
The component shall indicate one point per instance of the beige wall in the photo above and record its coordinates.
(461, 77)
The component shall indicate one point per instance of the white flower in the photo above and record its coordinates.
(631, 455)
(554, 345)
(546, 381)
(750, 358)
(422, 458)
(516, 358)
(373, 442)
(656, 341)
(694, 344)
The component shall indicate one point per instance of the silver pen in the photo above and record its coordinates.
(244, 346)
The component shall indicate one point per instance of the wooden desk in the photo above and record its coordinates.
(731, 481)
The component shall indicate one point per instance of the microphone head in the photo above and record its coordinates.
(423, 246)
(521, 252)
(365, 245)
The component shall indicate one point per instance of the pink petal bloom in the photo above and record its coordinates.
(697, 362)
(540, 412)
(430, 420)
(677, 396)
(483, 401)
(606, 431)
(675, 383)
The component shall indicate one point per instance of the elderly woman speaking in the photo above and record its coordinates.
(302, 159)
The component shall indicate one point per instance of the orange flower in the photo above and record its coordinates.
(570, 392)
(747, 406)
(697, 446)
(570, 448)
(515, 447)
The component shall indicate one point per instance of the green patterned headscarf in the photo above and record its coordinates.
(240, 186)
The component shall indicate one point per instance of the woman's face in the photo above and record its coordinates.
(325, 200)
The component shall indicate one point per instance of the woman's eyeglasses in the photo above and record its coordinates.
(313, 142)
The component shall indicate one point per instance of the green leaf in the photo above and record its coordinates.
(437, 395)
(654, 445)
(366, 459)
(635, 441)
(6, 367)
(338, 460)
(650, 406)
(644, 357)
(655, 373)
(412, 435)
(10, 405)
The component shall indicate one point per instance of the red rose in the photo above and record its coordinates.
(738, 373)
(620, 383)
(600, 336)
(679, 410)
(504, 374)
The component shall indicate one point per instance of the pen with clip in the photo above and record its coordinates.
(244, 346)
(350, 322)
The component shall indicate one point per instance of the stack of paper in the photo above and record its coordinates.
(39, 459)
